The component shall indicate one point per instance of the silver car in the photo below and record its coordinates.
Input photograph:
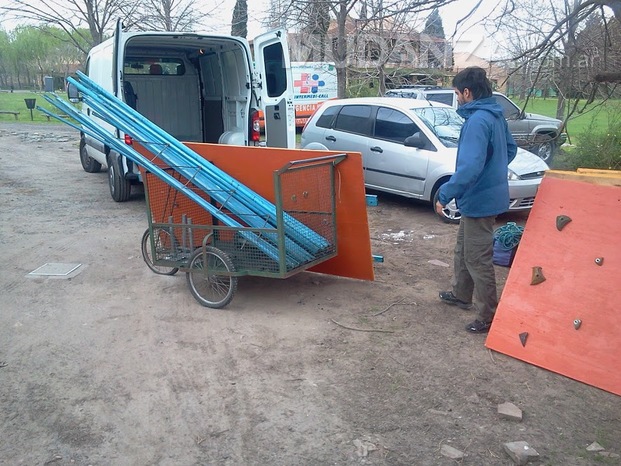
(409, 147)
(539, 134)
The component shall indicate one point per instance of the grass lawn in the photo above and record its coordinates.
(591, 122)
(594, 118)
(14, 102)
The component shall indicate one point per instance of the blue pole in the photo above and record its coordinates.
(121, 113)
(199, 178)
(96, 131)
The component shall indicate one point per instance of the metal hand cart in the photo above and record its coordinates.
(183, 235)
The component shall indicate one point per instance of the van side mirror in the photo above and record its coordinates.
(73, 94)
(416, 140)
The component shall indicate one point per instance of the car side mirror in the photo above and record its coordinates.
(416, 140)
(73, 94)
(514, 115)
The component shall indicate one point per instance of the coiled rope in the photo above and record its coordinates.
(508, 236)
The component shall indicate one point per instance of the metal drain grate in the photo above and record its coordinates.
(55, 269)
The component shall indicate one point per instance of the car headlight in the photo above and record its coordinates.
(512, 176)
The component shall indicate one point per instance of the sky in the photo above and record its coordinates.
(471, 37)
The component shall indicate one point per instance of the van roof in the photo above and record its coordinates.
(176, 40)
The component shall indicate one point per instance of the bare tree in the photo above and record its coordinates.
(349, 19)
(88, 22)
(387, 40)
(553, 48)
(280, 15)
(166, 15)
(316, 23)
(72, 16)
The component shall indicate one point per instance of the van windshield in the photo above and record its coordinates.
(151, 65)
(444, 122)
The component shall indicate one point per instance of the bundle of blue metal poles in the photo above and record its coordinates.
(97, 132)
(302, 244)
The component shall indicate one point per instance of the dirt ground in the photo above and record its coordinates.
(118, 366)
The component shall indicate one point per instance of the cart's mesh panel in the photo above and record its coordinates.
(165, 248)
(300, 232)
(170, 209)
(307, 195)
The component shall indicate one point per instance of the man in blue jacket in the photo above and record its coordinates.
(481, 190)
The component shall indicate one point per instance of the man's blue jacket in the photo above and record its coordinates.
(479, 184)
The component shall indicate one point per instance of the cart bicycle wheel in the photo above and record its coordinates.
(209, 277)
(163, 246)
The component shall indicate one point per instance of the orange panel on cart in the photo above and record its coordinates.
(254, 167)
(570, 322)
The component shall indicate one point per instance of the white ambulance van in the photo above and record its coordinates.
(313, 83)
(197, 87)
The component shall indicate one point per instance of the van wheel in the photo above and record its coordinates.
(120, 188)
(89, 164)
(450, 213)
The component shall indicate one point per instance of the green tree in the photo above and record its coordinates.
(32, 45)
(433, 31)
(239, 22)
(433, 25)
(4, 59)
(29, 53)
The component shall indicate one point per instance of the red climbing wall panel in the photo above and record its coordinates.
(576, 288)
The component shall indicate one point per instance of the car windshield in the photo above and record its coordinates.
(403, 94)
(444, 122)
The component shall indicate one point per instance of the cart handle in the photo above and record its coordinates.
(334, 159)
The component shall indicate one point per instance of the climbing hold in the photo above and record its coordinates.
(537, 276)
(561, 221)
(523, 337)
(599, 260)
(577, 324)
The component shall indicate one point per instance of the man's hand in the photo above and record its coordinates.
(439, 208)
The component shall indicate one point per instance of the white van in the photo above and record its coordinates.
(196, 87)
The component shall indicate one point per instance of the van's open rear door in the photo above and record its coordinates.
(99, 71)
(271, 54)
(117, 62)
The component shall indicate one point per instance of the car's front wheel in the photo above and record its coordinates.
(450, 212)
(545, 149)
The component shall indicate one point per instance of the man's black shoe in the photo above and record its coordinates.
(478, 327)
(449, 298)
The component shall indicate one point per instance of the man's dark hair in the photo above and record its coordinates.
(475, 79)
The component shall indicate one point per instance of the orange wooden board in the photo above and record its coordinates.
(575, 286)
(255, 166)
